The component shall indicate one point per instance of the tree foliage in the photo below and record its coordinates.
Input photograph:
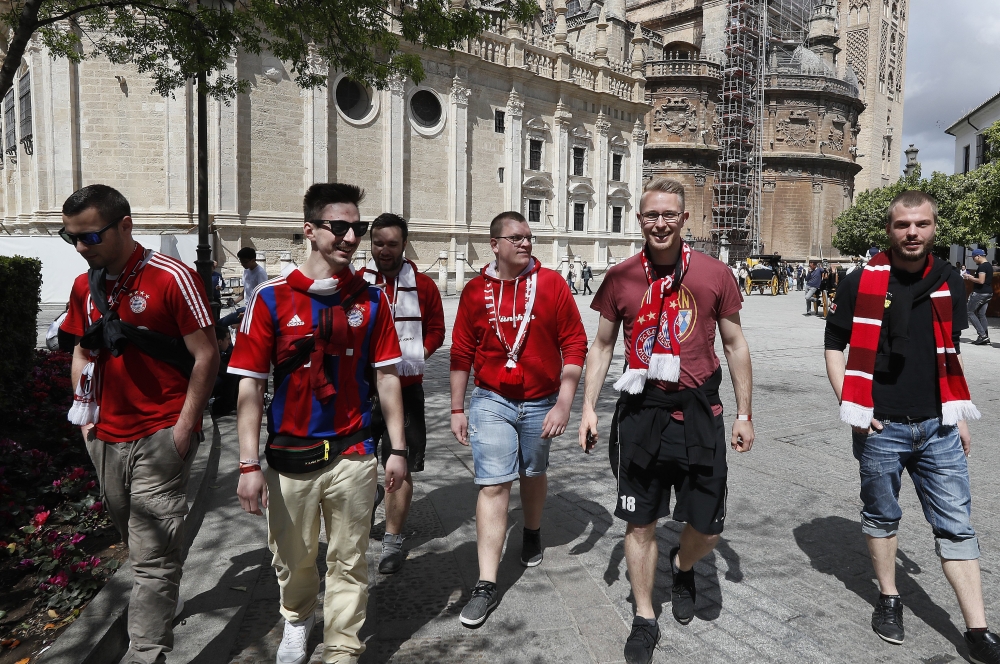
(968, 206)
(173, 40)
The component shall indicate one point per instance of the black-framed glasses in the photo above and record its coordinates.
(652, 217)
(89, 238)
(339, 227)
(516, 240)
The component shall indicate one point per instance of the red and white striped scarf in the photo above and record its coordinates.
(655, 352)
(857, 407)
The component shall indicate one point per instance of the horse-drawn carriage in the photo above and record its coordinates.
(766, 272)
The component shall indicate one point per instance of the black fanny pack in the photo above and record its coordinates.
(290, 454)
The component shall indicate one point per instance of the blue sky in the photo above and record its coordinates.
(952, 66)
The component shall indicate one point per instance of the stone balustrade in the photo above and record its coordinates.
(683, 68)
(812, 82)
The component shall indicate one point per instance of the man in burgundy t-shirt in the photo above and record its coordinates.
(671, 434)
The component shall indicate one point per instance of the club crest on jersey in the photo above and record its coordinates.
(137, 303)
(644, 344)
(663, 337)
(355, 317)
(682, 323)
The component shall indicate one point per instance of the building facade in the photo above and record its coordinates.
(970, 143)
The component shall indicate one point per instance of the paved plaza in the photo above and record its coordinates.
(789, 582)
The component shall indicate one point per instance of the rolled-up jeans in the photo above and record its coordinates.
(932, 453)
(977, 312)
(810, 292)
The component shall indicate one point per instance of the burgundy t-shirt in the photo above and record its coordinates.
(708, 293)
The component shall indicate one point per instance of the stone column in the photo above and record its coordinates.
(600, 221)
(459, 271)
(635, 178)
(513, 152)
(392, 146)
(458, 176)
(61, 116)
(443, 272)
(560, 166)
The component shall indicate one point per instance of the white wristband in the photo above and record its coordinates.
(744, 418)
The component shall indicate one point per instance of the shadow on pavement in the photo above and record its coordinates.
(836, 546)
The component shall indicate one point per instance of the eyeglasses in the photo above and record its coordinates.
(652, 217)
(339, 227)
(89, 238)
(516, 240)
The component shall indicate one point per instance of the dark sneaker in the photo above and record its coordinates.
(984, 647)
(392, 554)
(484, 600)
(379, 497)
(683, 594)
(642, 641)
(531, 548)
(887, 619)
(982, 341)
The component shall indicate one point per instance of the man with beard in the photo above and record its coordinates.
(518, 325)
(904, 394)
(419, 318)
(144, 367)
(321, 327)
(668, 430)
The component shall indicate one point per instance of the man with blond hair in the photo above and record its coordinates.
(668, 430)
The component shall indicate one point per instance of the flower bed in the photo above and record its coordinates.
(57, 544)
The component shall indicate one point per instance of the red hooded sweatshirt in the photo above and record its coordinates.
(555, 334)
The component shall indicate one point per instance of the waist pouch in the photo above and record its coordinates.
(290, 454)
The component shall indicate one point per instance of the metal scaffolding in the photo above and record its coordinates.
(788, 20)
(739, 128)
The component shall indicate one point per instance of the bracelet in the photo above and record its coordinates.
(457, 411)
(249, 469)
(403, 452)
(249, 462)
(744, 418)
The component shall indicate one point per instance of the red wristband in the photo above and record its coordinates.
(457, 411)
(249, 469)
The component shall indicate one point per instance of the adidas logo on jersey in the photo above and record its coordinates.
(294, 322)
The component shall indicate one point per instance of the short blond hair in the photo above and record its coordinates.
(664, 185)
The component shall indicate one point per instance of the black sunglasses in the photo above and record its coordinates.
(90, 238)
(340, 228)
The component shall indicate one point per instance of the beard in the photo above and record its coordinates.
(900, 249)
(390, 264)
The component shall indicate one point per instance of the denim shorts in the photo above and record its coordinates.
(932, 454)
(506, 436)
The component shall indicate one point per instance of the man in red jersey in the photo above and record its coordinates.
(147, 357)
(668, 429)
(322, 327)
(518, 325)
(419, 318)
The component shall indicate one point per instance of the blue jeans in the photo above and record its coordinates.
(977, 312)
(932, 454)
(506, 436)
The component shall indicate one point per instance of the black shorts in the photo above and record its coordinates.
(644, 494)
(414, 427)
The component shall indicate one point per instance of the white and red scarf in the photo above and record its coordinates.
(406, 315)
(856, 406)
(513, 374)
(655, 352)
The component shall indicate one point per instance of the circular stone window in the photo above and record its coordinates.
(353, 99)
(425, 108)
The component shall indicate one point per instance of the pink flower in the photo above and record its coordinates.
(77, 538)
(26, 562)
(58, 552)
(60, 580)
(89, 485)
(52, 536)
(40, 518)
(96, 507)
(56, 483)
(79, 567)
(94, 561)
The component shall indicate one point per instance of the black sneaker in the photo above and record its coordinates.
(484, 600)
(887, 619)
(984, 647)
(683, 594)
(531, 548)
(642, 641)
(982, 341)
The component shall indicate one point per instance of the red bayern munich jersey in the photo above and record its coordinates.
(138, 395)
(285, 309)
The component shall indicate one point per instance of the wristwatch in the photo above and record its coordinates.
(403, 452)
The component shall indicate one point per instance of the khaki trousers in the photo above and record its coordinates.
(144, 488)
(344, 492)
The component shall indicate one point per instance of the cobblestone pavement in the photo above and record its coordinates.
(789, 582)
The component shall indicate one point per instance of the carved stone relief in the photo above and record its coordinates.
(797, 130)
(675, 116)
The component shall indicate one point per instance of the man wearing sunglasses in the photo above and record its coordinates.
(147, 403)
(322, 327)
(518, 325)
(668, 431)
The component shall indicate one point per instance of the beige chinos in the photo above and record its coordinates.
(144, 488)
(344, 492)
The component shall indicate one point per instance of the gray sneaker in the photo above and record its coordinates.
(484, 600)
(392, 554)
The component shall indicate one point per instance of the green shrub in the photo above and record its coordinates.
(20, 291)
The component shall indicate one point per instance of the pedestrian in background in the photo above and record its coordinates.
(587, 275)
(813, 284)
(571, 282)
(982, 293)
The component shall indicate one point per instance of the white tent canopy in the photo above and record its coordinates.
(61, 264)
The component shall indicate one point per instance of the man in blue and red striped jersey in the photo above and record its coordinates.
(322, 327)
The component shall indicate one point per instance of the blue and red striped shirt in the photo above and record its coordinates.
(286, 309)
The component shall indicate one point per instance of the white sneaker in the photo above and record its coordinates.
(292, 649)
